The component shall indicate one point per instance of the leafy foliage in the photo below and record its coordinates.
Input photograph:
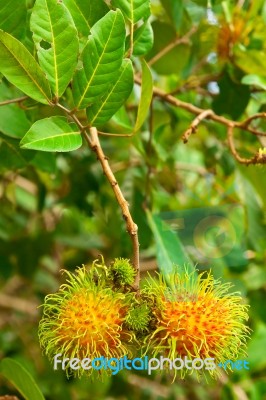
(102, 110)
(21, 69)
(21, 378)
(52, 134)
(69, 65)
(102, 58)
(56, 40)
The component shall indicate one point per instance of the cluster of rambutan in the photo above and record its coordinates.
(97, 313)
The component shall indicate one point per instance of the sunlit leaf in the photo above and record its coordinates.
(146, 95)
(102, 59)
(101, 111)
(254, 80)
(52, 134)
(133, 10)
(143, 39)
(56, 39)
(22, 70)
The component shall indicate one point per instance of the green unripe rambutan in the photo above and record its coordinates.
(122, 272)
(138, 318)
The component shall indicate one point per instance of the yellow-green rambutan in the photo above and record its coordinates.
(196, 317)
(85, 319)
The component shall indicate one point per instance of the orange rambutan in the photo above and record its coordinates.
(85, 319)
(196, 318)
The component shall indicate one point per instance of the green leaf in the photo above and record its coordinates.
(13, 14)
(101, 111)
(232, 99)
(13, 120)
(21, 379)
(181, 53)
(133, 10)
(176, 11)
(250, 61)
(257, 343)
(169, 248)
(11, 157)
(255, 226)
(56, 40)
(102, 58)
(143, 40)
(52, 134)
(122, 119)
(86, 13)
(146, 95)
(22, 70)
(255, 80)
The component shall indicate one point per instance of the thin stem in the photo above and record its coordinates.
(248, 121)
(258, 158)
(148, 188)
(177, 41)
(197, 111)
(73, 116)
(194, 126)
(132, 228)
(115, 134)
(18, 100)
(131, 38)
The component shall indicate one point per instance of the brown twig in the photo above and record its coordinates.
(194, 126)
(246, 124)
(18, 304)
(18, 100)
(257, 159)
(132, 228)
(94, 143)
(176, 42)
(73, 116)
(196, 110)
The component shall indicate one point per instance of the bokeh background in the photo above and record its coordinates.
(58, 210)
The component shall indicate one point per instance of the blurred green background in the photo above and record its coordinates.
(58, 210)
